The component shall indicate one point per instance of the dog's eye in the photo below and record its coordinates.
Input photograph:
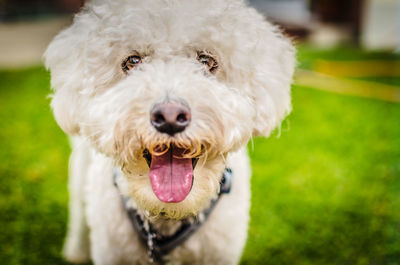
(208, 60)
(131, 62)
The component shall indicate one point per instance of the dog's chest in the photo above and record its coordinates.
(111, 229)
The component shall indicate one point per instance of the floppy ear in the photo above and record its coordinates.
(64, 58)
(274, 57)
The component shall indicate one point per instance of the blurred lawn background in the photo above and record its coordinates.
(326, 187)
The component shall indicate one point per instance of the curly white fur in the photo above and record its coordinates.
(107, 111)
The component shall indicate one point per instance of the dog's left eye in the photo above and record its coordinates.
(208, 60)
(131, 62)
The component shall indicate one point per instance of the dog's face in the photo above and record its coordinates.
(168, 89)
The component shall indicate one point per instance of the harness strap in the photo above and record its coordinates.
(158, 245)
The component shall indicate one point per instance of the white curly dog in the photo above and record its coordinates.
(160, 98)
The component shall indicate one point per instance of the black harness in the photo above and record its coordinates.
(158, 245)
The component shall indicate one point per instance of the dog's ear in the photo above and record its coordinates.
(64, 58)
(274, 59)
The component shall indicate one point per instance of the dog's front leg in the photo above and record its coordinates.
(77, 247)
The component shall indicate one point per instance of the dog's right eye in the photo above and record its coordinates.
(131, 62)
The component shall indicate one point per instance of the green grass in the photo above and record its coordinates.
(327, 191)
(308, 54)
(33, 171)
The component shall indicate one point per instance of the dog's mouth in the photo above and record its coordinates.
(171, 174)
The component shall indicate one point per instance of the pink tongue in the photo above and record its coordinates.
(171, 175)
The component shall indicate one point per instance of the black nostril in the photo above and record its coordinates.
(182, 118)
(158, 118)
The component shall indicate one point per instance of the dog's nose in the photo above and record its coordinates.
(170, 117)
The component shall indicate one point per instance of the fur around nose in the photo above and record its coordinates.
(170, 117)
